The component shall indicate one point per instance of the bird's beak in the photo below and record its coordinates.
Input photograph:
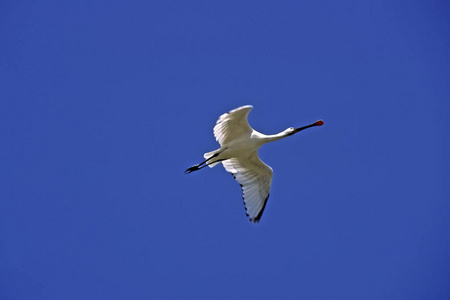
(317, 123)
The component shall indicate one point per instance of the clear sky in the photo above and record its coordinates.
(103, 105)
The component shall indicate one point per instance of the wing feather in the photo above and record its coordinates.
(255, 178)
(232, 125)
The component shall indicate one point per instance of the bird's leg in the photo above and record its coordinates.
(199, 166)
(194, 168)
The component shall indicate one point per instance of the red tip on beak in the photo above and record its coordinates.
(319, 123)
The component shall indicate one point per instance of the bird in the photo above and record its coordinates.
(238, 153)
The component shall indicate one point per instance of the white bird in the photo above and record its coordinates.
(238, 152)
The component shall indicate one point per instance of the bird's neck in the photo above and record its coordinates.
(273, 137)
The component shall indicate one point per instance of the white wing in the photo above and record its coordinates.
(255, 178)
(232, 125)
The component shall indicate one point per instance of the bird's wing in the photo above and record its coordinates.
(232, 125)
(255, 178)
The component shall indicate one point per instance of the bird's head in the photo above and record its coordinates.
(292, 130)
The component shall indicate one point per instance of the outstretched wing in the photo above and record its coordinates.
(232, 125)
(255, 178)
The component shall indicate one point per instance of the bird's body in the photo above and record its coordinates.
(238, 152)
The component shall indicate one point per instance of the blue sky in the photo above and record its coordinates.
(105, 104)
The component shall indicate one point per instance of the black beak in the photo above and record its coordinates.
(317, 123)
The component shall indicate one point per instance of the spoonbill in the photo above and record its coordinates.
(238, 153)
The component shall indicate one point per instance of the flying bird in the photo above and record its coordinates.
(238, 153)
